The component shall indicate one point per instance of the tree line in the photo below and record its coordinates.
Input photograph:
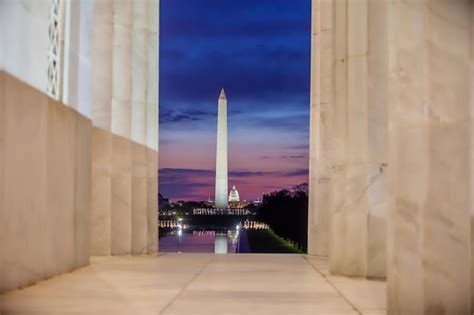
(286, 211)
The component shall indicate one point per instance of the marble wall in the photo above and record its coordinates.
(70, 186)
(45, 167)
(429, 237)
(24, 33)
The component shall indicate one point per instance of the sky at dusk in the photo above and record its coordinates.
(259, 52)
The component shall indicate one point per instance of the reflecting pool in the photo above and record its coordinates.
(200, 241)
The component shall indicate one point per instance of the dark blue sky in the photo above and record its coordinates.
(259, 51)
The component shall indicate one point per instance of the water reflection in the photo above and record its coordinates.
(197, 241)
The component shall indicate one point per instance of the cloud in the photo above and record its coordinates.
(292, 157)
(198, 184)
(300, 172)
(172, 116)
(247, 173)
(185, 183)
(173, 174)
(299, 147)
(295, 157)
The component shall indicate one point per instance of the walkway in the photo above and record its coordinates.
(200, 284)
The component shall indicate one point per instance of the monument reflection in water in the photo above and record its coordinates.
(197, 241)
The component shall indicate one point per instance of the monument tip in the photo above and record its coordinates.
(222, 95)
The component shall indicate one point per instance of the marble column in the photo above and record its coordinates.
(78, 29)
(359, 198)
(139, 92)
(3, 236)
(429, 223)
(152, 126)
(121, 203)
(349, 236)
(377, 155)
(472, 161)
(101, 189)
(320, 121)
(339, 131)
(72, 22)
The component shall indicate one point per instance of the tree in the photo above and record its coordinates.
(286, 211)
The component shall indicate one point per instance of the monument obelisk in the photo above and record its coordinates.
(221, 153)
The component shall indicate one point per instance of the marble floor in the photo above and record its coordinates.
(200, 284)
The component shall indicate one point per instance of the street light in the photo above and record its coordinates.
(180, 231)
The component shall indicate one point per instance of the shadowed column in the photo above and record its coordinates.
(152, 127)
(320, 120)
(121, 129)
(139, 149)
(101, 107)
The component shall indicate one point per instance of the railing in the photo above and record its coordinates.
(255, 225)
(171, 224)
(212, 211)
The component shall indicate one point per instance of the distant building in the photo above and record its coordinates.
(234, 200)
(234, 195)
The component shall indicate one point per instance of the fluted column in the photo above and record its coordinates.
(472, 160)
(339, 132)
(121, 129)
(3, 236)
(139, 93)
(359, 198)
(429, 224)
(377, 128)
(355, 203)
(349, 236)
(101, 189)
(320, 121)
(72, 25)
(152, 127)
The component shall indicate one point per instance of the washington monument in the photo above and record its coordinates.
(221, 153)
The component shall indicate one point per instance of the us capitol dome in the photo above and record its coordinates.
(234, 195)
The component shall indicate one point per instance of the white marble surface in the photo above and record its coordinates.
(139, 199)
(122, 69)
(200, 284)
(77, 55)
(121, 203)
(429, 239)
(348, 155)
(320, 124)
(2, 150)
(45, 209)
(24, 45)
(101, 79)
(152, 74)
(139, 71)
(152, 201)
